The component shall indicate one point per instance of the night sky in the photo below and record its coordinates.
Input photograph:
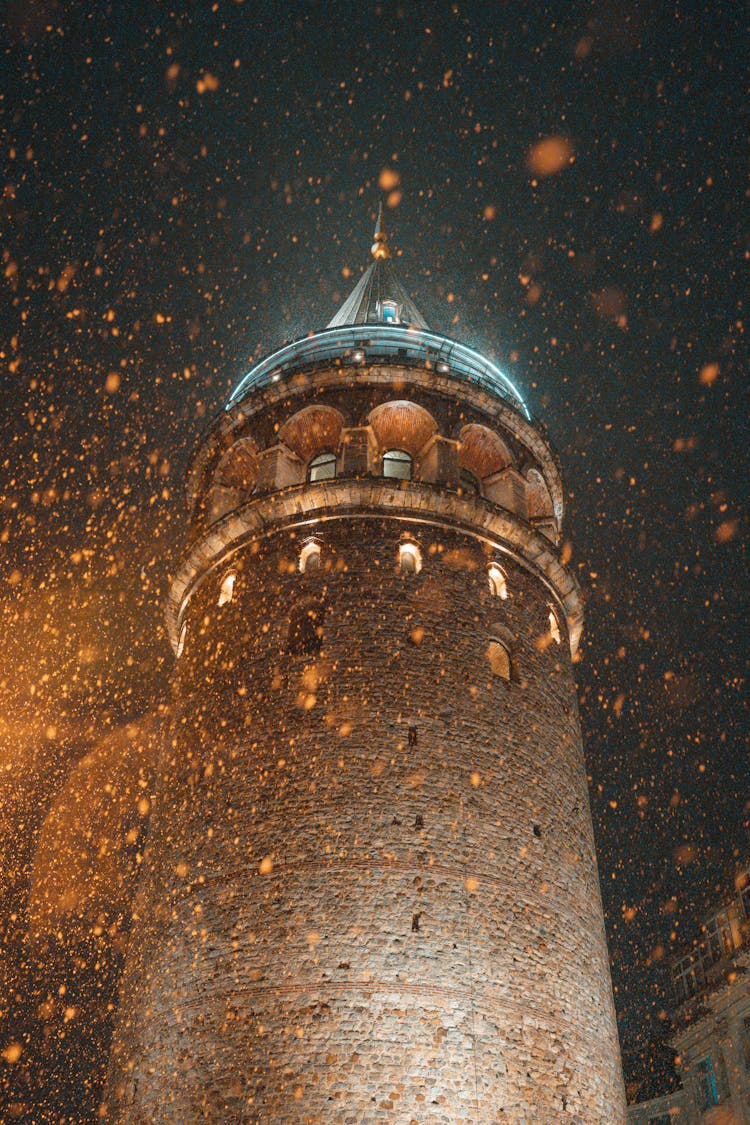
(185, 187)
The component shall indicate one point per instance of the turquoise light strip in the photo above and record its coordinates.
(376, 341)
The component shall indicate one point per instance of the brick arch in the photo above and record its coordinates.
(537, 495)
(482, 451)
(238, 467)
(315, 429)
(500, 631)
(401, 424)
(501, 634)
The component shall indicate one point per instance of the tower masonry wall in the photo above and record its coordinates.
(370, 892)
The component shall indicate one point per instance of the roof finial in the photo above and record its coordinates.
(379, 247)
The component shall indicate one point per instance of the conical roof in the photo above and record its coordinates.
(379, 297)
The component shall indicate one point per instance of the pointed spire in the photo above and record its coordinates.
(379, 297)
(379, 247)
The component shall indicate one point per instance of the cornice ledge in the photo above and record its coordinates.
(362, 497)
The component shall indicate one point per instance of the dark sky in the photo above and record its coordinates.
(185, 187)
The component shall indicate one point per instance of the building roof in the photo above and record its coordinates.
(379, 297)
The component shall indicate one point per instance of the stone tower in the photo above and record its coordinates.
(370, 894)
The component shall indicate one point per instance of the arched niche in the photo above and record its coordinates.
(482, 452)
(238, 467)
(316, 429)
(538, 499)
(501, 653)
(402, 425)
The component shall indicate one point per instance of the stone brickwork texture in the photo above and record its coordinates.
(370, 893)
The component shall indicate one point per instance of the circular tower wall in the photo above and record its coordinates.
(370, 891)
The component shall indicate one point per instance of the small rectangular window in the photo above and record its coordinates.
(745, 1037)
(719, 942)
(744, 885)
(707, 1087)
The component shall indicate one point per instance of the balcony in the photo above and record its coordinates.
(358, 344)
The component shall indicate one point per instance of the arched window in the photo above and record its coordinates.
(499, 659)
(226, 590)
(409, 558)
(497, 581)
(322, 467)
(309, 557)
(181, 641)
(306, 629)
(554, 627)
(397, 463)
(468, 482)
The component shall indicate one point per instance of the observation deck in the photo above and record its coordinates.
(359, 344)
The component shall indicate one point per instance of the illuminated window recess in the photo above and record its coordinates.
(498, 658)
(409, 558)
(309, 557)
(497, 581)
(226, 590)
(554, 627)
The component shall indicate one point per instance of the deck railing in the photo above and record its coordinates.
(358, 344)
